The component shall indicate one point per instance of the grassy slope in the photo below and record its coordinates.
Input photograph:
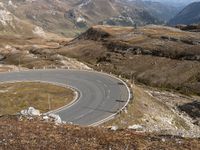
(156, 111)
(17, 96)
(157, 56)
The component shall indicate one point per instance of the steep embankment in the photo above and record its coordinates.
(36, 134)
(158, 56)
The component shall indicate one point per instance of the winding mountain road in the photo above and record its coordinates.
(101, 96)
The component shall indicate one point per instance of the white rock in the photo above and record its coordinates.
(56, 118)
(80, 19)
(163, 140)
(11, 3)
(8, 47)
(30, 112)
(114, 128)
(135, 127)
(70, 122)
(46, 118)
(5, 17)
(33, 112)
(126, 111)
(39, 31)
(85, 3)
(24, 112)
(1, 4)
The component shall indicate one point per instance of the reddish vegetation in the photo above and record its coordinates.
(35, 134)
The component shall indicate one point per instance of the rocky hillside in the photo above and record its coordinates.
(162, 11)
(191, 28)
(189, 15)
(69, 18)
(21, 133)
(10, 24)
(154, 55)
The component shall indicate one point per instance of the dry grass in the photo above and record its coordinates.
(157, 56)
(156, 111)
(35, 134)
(30, 52)
(17, 96)
(113, 30)
(142, 104)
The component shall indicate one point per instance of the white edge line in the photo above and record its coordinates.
(113, 115)
(76, 98)
(64, 107)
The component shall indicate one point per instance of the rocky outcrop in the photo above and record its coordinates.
(95, 34)
(191, 28)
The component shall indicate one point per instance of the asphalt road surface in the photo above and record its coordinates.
(100, 95)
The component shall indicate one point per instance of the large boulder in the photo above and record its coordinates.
(55, 118)
(30, 112)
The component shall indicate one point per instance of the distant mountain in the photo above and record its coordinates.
(189, 15)
(162, 11)
(71, 17)
(175, 2)
(9, 23)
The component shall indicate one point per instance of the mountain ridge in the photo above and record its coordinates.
(70, 18)
(189, 15)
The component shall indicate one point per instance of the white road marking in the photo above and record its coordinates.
(112, 76)
(99, 81)
(81, 116)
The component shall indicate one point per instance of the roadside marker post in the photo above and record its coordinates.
(49, 102)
